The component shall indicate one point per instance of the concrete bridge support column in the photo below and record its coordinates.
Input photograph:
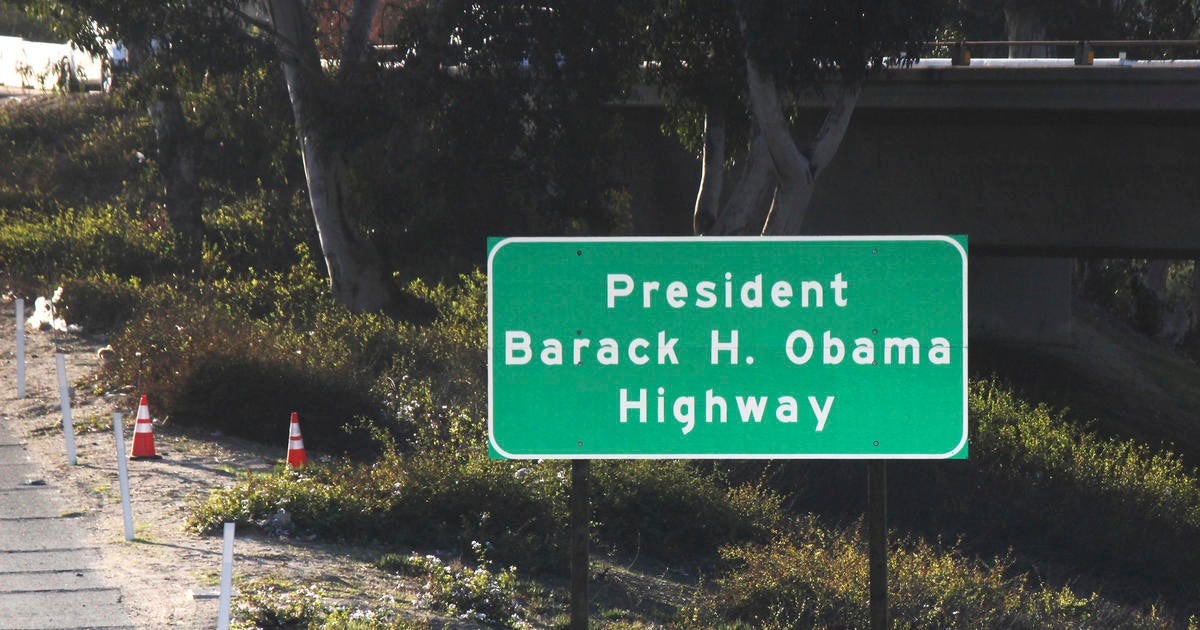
(1027, 299)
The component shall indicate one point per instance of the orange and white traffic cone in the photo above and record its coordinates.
(143, 433)
(296, 458)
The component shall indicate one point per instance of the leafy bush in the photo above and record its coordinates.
(435, 390)
(72, 243)
(269, 604)
(267, 231)
(315, 503)
(816, 577)
(430, 500)
(670, 509)
(447, 500)
(1107, 504)
(1064, 499)
(66, 150)
(206, 361)
(482, 595)
(100, 302)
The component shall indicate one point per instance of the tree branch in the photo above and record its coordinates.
(256, 22)
(833, 129)
(355, 46)
(712, 174)
(789, 162)
(745, 210)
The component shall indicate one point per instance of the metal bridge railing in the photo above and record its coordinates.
(1084, 50)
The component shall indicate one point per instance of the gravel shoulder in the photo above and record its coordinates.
(168, 576)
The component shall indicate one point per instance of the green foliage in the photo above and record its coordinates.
(46, 248)
(483, 594)
(800, 45)
(100, 302)
(243, 121)
(1048, 476)
(1055, 492)
(15, 22)
(266, 603)
(1107, 282)
(444, 500)
(449, 501)
(263, 232)
(671, 509)
(201, 359)
(429, 500)
(816, 577)
(69, 151)
(697, 51)
(434, 391)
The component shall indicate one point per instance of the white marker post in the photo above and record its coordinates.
(226, 579)
(20, 348)
(64, 395)
(123, 475)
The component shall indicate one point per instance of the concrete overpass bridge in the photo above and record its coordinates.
(1039, 161)
(1025, 156)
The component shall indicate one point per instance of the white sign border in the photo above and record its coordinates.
(962, 443)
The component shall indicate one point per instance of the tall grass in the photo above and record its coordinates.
(815, 577)
(1104, 505)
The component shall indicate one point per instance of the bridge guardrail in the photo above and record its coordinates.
(1084, 50)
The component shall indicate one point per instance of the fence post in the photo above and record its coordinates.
(20, 348)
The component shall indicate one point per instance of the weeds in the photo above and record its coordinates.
(1104, 504)
(266, 603)
(482, 594)
(816, 577)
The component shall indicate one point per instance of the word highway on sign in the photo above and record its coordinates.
(804, 347)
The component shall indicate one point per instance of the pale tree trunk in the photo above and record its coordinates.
(745, 211)
(1156, 277)
(712, 170)
(356, 46)
(1023, 22)
(796, 171)
(778, 178)
(177, 164)
(357, 275)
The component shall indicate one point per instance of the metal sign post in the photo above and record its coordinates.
(673, 348)
(581, 514)
(877, 547)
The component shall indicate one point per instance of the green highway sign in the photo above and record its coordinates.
(757, 347)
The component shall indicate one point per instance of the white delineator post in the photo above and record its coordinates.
(20, 348)
(226, 579)
(64, 396)
(123, 475)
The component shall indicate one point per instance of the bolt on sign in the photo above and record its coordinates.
(790, 347)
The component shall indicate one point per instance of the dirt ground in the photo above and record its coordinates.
(168, 577)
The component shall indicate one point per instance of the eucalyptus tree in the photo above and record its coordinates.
(736, 66)
(171, 44)
(471, 117)
(423, 125)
